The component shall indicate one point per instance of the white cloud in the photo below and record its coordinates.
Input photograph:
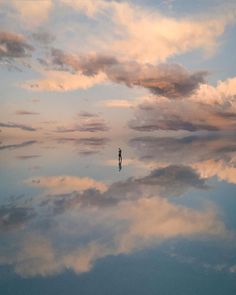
(126, 228)
(31, 13)
(222, 169)
(149, 36)
(223, 93)
(154, 220)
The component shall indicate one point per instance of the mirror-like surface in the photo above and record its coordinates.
(167, 216)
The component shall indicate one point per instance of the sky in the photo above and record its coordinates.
(63, 59)
(80, 79)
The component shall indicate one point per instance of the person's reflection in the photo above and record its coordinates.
(120, 158)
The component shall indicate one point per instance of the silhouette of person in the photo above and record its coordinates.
(120, 158)
(120, 155)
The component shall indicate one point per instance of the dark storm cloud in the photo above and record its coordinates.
(169, 80)
(15, 146)
(16, 125)
(13, 46)
(12, 218)
(170, 181)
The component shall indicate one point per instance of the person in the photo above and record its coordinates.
(120, 158)
(120, 155)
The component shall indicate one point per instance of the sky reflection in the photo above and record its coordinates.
(68, 221)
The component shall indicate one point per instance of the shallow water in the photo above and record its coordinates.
(163, 224)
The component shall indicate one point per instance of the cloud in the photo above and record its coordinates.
(63, 81)
(25, 112)
(209, 156)
(173, 180)
(14, 46)
(232, 269)
(177, 176)
(85, 114)
(220, 168)
(118, 103)
(31, 13)
(88, 123)
(93, 141)
(91, 145)
(146, 225)
(125, 103)
(170, 80)
(122, 218)
(224, 93)
(93, 125)
(16, 125)
(19, 145)
(27, 157)
(165, 114)
(148, 35)
(129, 227)
(214, 109)
(87, 145)
(89, 65)
(90, 198)
(170, 181)
(90, 8)
(65, 183)
(12, 218)
(183, 150)
(62, 129)
(43, 37)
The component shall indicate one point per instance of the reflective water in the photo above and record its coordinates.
(73, 222)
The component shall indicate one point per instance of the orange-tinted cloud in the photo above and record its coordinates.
(13, 45)
(150, 36)
(66, 183)
(63, 81)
